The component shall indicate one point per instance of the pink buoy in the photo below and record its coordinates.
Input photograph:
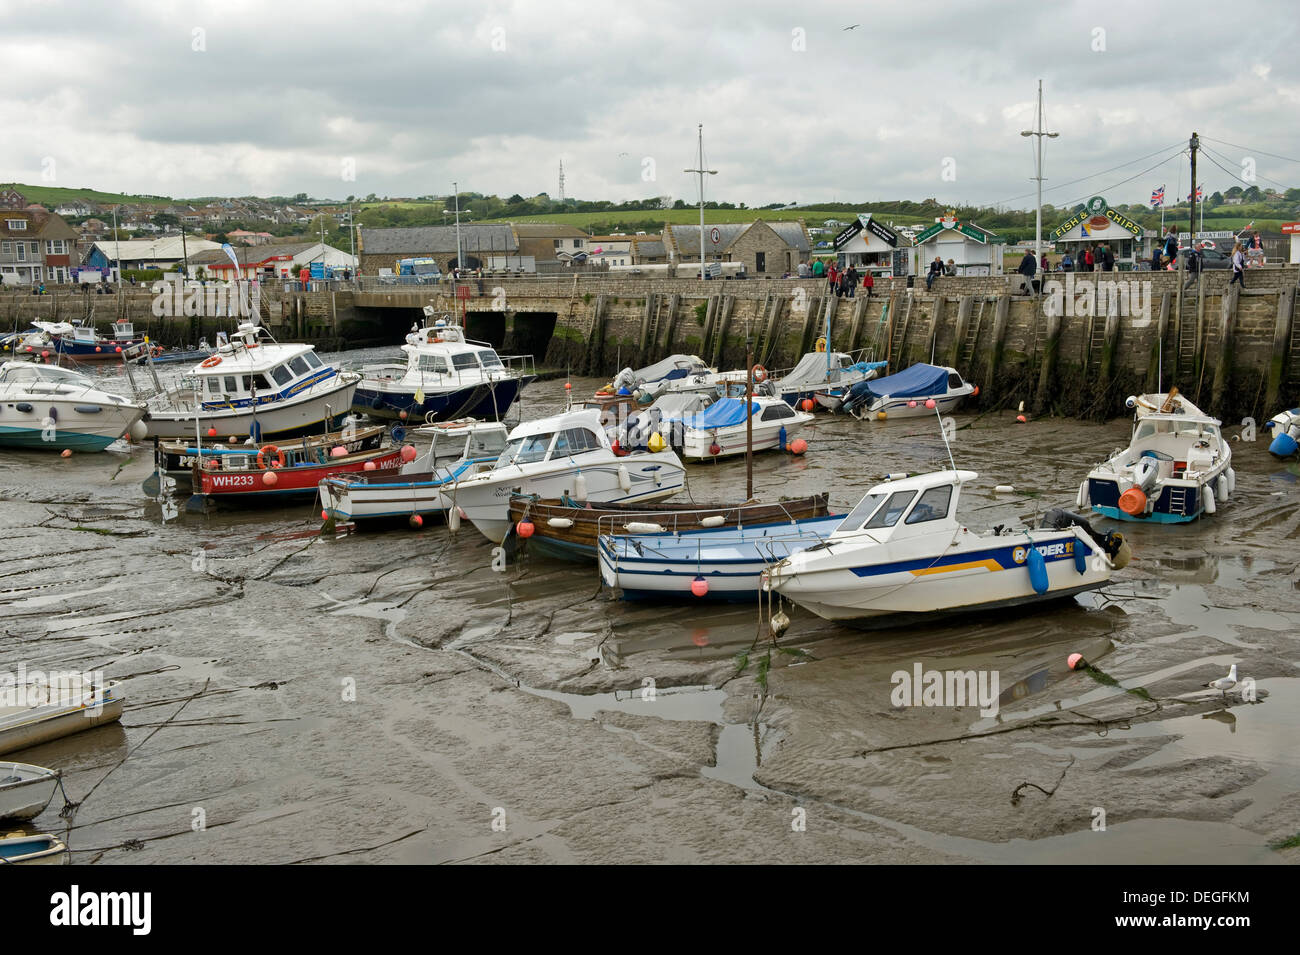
(119, 349)
(270, 478)
(929, 403)
(1076, 661)
(67, 452)
(912, 403)
(525, 529)
(699, 586)
(370, 466)
(798, 446)
(97, 348)
(408, 453)
(338, 451)
(1021, 418)
(45, 354)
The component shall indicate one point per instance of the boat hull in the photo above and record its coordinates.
(912, 407)
(77, 430)
(863, 585)
(697, 444)
(367, 498)
(28, 797)
(43, 849)
(290, 418)
(483, 401)
(249, 485)
(22, 731)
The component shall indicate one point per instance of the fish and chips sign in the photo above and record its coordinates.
(1095, 220)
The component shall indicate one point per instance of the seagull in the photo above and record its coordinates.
(1224, 683)
(854, 27)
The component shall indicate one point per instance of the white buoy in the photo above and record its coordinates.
(453, 519)
(560, 523)
(1021, 409)
(1232, 481)
(895, 477)
(624, 479)
(1082, 497)
(580, 487)
(1004, 489)
(717, 520)
(643, 527)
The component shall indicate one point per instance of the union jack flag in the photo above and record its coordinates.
(1200, 194)
(1158, 196)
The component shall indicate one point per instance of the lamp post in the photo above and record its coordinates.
(702, 172)
(1038, 170)
(460, 259)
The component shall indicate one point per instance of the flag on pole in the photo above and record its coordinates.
(233, 258)
(1158, 197)
(1200, 194)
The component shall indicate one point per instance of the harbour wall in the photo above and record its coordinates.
(1078, 352)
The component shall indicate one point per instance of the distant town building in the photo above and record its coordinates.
(552, 247)
(12, 199)
(36, 245)
(165, 252)
(481, 246)
(245, 237)
(280, 260)
(764, 248)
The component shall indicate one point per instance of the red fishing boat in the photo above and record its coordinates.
(272, 475)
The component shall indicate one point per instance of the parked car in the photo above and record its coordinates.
(1210, 259)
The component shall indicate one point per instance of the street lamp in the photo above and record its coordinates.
(1038, 169)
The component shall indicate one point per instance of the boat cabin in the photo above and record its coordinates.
(252, 368)
(561, 437)
(910, 507)
(1178, 443)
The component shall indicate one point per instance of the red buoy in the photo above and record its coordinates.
(798, 446)
(699, 586)
(525, 529)
(212, 432)
(715, 448)
(408, 453)
(417, 520)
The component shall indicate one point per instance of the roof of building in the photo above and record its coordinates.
(41, 223)
(649, 247)
(252, 255)
(426, 239)
(686, 238)
(164, 247)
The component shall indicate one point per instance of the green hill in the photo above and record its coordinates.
(51, 196)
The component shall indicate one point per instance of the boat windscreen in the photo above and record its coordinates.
(858, 516)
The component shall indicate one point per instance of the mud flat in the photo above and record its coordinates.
(389, 697)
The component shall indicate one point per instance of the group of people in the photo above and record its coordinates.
(938, 268)
(841, 282)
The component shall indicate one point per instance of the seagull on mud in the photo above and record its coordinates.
(1224, 683)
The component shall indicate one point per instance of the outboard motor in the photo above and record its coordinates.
(1112, 542)
(858, 395)
(1145, 473)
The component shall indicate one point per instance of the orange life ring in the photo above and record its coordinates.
(212, 361)
(760, 373)
(157, 349)
(278, 462)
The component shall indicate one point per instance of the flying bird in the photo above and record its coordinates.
(1224, 683)
(854, 27)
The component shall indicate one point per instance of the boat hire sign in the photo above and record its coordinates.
(1095, 216)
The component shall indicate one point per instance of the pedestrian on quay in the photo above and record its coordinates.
(833, 273)
(950, 269)
(1067, 263)
(818, 269)
(1107, 258)
(1028, 268)
(1238, 265)
(1088, 261)
(1193, 265)
(1043, 263)
(869, 283)
(851, 281)
(936, 270)
(803, 270)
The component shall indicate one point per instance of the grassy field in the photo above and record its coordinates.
(50, 196)
(691, 216)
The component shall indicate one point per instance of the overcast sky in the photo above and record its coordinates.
(921, 99)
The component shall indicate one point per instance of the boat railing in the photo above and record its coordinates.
(672, 549)
(676, 522)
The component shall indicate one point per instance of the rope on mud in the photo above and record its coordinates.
(1049, 793)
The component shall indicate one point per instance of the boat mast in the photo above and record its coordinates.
(701, 172)
(749, 415)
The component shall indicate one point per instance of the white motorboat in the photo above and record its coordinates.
(1177, 466)
(901, 555)
(25, 790)
(51, 408)
(565, 456)
(252, 386)
(30, 716)
(723, 563)
(1285, 429)
(720, 430)
(81, 341)
(41, 849)
(458, 450)
(909, 393)
(653, 379)
(446, 377)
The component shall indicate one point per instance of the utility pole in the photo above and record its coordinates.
(1193, 144)
(702, 172)
(1038, 172)
(460, 259)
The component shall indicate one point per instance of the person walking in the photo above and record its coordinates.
(1238, 266)
(869, 283)
(1028, 268)
(818, 269)
(936, 270)
(1193, 266)
(851, 281)
(1171, 246)
(1067, 263)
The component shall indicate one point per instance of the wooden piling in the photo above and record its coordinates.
(1277, 365)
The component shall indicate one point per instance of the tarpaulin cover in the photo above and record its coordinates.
(674, 366)
(723, 413)
(919, 381)
(812, 372)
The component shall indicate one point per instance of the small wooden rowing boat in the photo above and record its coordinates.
(40, 849)
(568, 529)
(25, 790)
(58, 714)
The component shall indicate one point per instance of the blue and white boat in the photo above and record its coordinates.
(1177, 466)
(902, 555)
(81, 341)
(446, 377)
(1285, 430)
(251, 385)
(425, 486)
(720, 430)
(823, 373)
(720, 564)
(905, 394)
(55, 409)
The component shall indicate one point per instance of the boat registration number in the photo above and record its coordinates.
(233, 480)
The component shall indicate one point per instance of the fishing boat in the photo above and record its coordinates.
(908, 394)
(653, 378)
(83, 342)
(250, 386)
(716, 563)
(177, 459)
(161, 357)
(1177, 465)
(25, 790)
(52, 408)
(422, 488)
(901, 556)
(565, 455)
(40, 849)
(568, 529)
(720, 429)
(271, 474)
(30, 716)
(823, 372)
(1285, 428)
(446, 376)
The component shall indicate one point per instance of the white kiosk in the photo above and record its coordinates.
(1094, 223)
(872, 246)
(973, 249)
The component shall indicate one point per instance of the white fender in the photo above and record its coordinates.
(580, 487)
(1221, 487)
(1232, 481)
(1081, 500)
(716, 520)
(1207, 493)
(560, 523)
(453, 518)
(624, 479)
(642, 527)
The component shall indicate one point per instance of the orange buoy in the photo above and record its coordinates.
(807, 404)
(67, 452)
(1021, 418)
(798, 446)
(699, 586)
(408, 453)
(525, 529)
(1133, 502)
